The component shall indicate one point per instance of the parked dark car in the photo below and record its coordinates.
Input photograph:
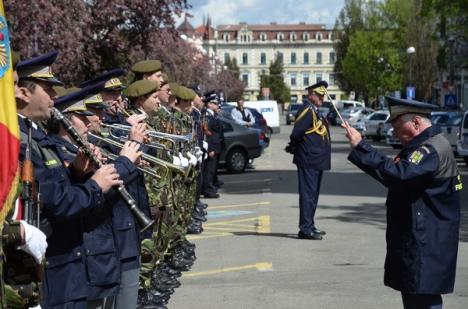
(242, 144)
(291, 112)
(260, 122)
(331, 117)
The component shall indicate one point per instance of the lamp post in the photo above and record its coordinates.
(410, 51)
(410, 90)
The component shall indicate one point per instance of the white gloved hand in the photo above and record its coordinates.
(183, 160)
(35, 242)
(198, 152)
(192, 159)
(205, 145)
(176, 161)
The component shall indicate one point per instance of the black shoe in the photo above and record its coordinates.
(320, 232)
(201, 205)
(211, 195)
(199, 217)
(312, 236)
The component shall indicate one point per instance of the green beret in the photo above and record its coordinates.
(141, 88)
(146, 66)
(185, 93)
(15, 58)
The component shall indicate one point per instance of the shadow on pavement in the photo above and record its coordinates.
(281, 235)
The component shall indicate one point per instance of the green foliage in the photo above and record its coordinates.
(372, 64)
(279, 91)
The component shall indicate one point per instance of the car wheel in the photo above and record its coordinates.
(236, 160)
(376, 138)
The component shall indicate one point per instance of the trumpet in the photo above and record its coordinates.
(153, 133)
(145, 170)
(182, 170)
(139, 215)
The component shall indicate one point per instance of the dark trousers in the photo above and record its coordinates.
(200, 181)
(309, 189)
(421, 301)
(211, 166)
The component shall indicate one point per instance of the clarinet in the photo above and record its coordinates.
(140, 217)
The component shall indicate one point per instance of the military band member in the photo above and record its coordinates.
(66, 196)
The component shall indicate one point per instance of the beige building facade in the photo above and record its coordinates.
(306, 51)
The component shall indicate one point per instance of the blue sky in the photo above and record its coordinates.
(265, 11)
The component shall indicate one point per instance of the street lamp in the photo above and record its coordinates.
(410, 51)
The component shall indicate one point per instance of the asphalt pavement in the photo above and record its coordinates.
(249, 255)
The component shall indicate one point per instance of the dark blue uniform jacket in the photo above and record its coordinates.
(311, 139)
(423, 212)
(73, 262)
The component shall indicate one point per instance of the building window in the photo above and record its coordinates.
(304, 98)
(245, 58)
(331, 79)
(280, 57)
(226, 58)
(226, 37)
(293, 79)
(318, 36)
(319, 58)
(245, 78)
(294, 98)
(293, 58)
(332, 57)
(280, 36)
(306, 58)
(305, 79)
(262, 58)
(292, 36)
(318, 77)
(305, 36)
(263, 37)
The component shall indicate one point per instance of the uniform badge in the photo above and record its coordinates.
(4, 47)
(416, 157)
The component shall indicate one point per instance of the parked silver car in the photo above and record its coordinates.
(355, 114)
(375, 125)
(462, 142)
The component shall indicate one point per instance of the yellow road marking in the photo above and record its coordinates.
(259, 225)
(258, 266)
(238, 205)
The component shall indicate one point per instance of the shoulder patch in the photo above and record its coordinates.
(416, 157)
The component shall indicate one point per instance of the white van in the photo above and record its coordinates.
(344, 104)
(462, 142)
(269, 110)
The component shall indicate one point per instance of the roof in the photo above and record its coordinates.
(273, 27)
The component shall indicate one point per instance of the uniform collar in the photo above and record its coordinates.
(426, 134)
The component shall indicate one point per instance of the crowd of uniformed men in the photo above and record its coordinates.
(118, 174)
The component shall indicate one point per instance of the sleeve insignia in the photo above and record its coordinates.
(416, 157)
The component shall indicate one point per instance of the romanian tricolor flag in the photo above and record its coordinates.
(9, 130)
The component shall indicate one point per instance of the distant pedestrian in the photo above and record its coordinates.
(242, 115)
(423, 204)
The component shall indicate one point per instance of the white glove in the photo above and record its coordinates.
(176, 161)
(198, 152)
(192, 159)
(205, 145)
(183, 160)
(35, 243)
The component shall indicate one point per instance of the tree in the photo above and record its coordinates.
(372, 63)
(279, 91)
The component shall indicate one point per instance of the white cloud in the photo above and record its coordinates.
(265, 11)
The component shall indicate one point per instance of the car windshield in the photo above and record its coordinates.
(455, 121)
(346, 112)
(378, 116)
(294, 107)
